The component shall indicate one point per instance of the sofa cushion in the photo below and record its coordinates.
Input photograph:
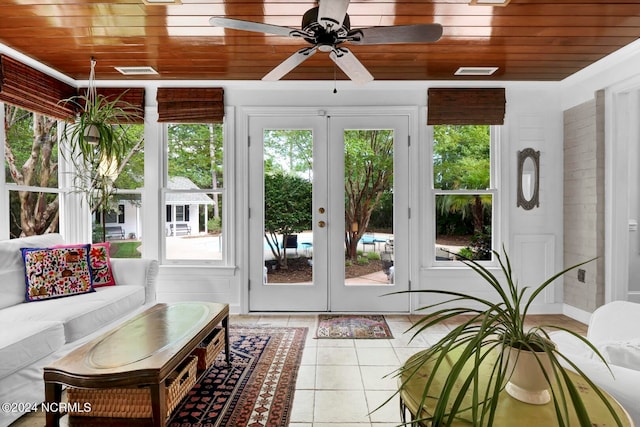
(23, 343)
(80, 314)
(56, 272)
(622, 353)
(12, 283)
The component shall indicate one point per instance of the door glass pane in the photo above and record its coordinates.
(288, 186)
(368, 187)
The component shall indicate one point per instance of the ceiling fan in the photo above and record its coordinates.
(326, 27)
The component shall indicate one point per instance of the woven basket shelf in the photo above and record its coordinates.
(209, 349)
(135, 402)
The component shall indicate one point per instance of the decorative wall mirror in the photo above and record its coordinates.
(528, 178)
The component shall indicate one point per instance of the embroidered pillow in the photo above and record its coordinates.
(56, 272)
(101, 265)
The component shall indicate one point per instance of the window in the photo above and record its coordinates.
(113, 217)
(122, 221)
(464, 191)
(194, 192)
(31, 172)
(181, 213)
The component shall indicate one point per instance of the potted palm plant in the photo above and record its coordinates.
(492, 338)
(97, 142)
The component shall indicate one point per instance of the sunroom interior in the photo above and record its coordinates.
(581, 118)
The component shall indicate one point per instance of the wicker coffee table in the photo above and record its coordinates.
(144, 352)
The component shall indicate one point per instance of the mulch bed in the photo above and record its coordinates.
(299, 271)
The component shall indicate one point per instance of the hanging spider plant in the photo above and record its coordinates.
(97, 142)
(476, 360)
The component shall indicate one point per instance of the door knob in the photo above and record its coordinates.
(321, 224)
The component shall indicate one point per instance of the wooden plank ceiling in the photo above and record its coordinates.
(527, 39)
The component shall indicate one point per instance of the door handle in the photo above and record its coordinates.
(321, 224)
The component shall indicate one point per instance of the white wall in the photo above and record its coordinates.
(533, 238)
(619, 76)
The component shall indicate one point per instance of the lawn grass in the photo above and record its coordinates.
(125, 250)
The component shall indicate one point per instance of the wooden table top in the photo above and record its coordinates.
(145, 348)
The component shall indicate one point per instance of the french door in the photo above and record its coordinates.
(328, 203)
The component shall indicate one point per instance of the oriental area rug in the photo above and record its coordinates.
(256, 390)
(353, 326)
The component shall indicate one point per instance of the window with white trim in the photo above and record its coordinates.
(31, 172)
(464, 191)
(194, 193)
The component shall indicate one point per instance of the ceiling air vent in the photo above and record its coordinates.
(161, 2)
(476, 71)
(489, 2)
(136, 71)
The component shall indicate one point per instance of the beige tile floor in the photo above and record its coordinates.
(345, 382)
(350, 383)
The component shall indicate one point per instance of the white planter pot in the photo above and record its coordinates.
(92, 135)
(526, 378)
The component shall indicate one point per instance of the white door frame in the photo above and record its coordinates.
(402, 162)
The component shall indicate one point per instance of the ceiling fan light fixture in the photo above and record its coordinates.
(475, 71)
(489, 2)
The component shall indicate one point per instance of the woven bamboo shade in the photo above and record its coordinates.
(33, 90)
(190, 105)
(461, 106)
(133, 101)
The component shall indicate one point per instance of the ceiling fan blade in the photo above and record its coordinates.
(418, 33)
(290, 63)
(238, 24)
(348, 63)
(331, 13)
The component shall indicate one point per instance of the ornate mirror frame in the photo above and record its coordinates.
(532, 201)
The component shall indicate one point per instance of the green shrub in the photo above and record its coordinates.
(362, 260)
(466, 253)
(214, 225)
(373, 256)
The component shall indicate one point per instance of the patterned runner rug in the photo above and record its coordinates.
(257, 390)
(352, 326)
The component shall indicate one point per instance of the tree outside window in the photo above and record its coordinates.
(31, 165)
(462, 181)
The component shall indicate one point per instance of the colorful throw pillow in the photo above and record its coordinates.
(101, 265)
(56, 272)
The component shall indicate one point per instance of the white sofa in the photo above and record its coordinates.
(614, 329)
(33, 334)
